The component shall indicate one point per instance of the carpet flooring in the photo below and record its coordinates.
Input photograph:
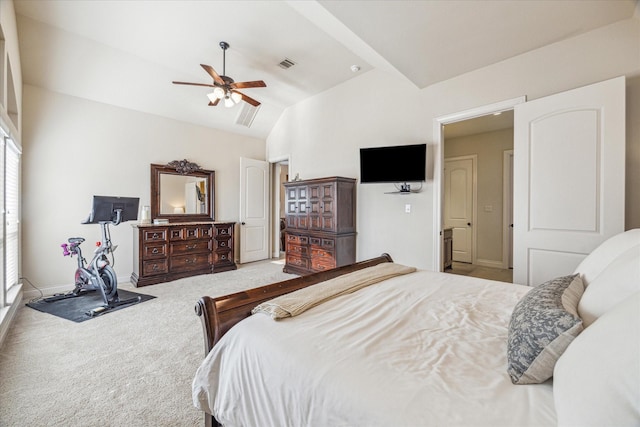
(133, 367)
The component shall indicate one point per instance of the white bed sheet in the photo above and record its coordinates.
(425, 349)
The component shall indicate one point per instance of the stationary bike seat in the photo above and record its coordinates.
(76, 239)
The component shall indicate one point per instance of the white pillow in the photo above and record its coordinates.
(604, 254)
(615, 283)
(596, 381)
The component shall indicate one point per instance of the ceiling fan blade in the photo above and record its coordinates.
(209, 69)
(213, 104)
(193, 84)
(247, 99)
(244, 85)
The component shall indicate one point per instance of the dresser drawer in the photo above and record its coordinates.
(297, 249)
(189, 262)
(154, 234)
(223, 229)
(154, 250)
(322, 242)
(222, 257)
(322, 264)
(187, 247)
(297, 261)
(300, 240)
(222, 242)
(322, 254)
(153, 267)
(205, 232)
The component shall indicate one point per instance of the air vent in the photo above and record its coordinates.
(286, 63)
(247, 114)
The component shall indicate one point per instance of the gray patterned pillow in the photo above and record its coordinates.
(543, 324)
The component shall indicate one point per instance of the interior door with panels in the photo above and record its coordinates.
(569, 178)
(254, 209)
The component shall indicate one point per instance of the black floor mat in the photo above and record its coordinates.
(78, 308)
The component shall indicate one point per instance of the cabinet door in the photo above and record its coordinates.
(297, 207)
(322, 206)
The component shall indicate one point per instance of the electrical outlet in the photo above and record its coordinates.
(407, 208)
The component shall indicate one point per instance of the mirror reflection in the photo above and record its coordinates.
(180, 195)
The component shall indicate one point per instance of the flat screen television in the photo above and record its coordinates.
(398, 164)
(104, 208)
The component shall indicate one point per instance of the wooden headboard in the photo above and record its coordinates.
(219, 314)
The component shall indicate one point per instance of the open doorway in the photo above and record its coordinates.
(280, 174)
(476, 200)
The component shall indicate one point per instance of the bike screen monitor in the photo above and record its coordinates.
(106, 208)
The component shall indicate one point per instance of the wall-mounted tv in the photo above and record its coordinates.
(398, 164)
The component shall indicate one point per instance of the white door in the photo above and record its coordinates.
(458, 205)
(254, 210)
(569, 159)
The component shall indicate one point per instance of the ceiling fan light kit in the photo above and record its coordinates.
(224, 87)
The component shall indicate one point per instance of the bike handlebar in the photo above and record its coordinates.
(65, 249)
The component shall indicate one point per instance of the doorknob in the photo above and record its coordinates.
(469, 224)
(243, 223)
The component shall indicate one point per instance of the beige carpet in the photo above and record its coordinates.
(131, 367)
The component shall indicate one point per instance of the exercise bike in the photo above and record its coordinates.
(98, 274)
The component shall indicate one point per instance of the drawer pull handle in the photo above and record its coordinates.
(223, 257)
(155, 267)
(190, 261)
(155, 251)
(223, 244)
(191, 246)
(155, 236)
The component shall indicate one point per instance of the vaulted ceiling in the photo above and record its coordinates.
(127, 53)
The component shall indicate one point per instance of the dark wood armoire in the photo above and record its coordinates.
(320, 224)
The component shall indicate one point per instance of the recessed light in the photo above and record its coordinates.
(355, 68)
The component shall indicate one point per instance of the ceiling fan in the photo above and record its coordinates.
(224, 87)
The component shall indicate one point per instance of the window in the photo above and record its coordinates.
(10, 210)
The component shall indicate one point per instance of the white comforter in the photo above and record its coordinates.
(424, 349)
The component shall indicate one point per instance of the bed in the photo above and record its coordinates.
(421, 348)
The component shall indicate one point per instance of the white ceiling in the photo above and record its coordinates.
(126, 53)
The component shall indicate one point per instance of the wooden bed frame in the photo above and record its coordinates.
(219, 314)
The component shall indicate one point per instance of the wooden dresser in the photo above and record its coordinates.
(320, 224)
(171, 251)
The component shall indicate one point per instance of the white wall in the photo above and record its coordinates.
(75, 148)
(323, 134)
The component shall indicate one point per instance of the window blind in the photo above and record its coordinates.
(12, 215)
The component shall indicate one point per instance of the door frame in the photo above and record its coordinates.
(474, 200)
(275, 202)
(438, 167)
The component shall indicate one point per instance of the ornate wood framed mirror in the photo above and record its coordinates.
(181, 191)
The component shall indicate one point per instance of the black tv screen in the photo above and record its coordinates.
(104, 209)
(400, 163)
